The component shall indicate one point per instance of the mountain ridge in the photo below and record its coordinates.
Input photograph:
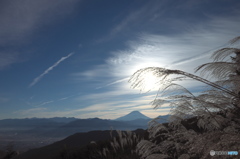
(134, 115)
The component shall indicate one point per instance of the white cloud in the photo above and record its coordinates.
(37, 79)
(121, 101)
(183, 51)
(176, 51)
(108, 94)
(93, 73)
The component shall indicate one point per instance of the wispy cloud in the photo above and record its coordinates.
(44, 103)
(115, 82)
(3, 99)
(131, 20)
(50, 101)
(31, 111)
(41, 112)
(7, 59)
(120, 100)
(37, 79)
(93, 73)
(183, 51)
(178, 51)
(128, 20)
(21, 18)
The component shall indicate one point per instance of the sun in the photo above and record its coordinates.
(149, 81)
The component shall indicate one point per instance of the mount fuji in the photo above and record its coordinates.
(134, 115)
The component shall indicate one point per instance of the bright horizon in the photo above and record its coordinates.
(74, 58)
(74, 117)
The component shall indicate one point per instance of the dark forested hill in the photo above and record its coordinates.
(74, 141)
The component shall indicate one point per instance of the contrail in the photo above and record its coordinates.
(115, 82)
(190, 59)
(37, 79)
(193, 58)
(44, 103)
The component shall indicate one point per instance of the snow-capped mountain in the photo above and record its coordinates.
(133, 116)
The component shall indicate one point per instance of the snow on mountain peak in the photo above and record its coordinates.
(132, 116)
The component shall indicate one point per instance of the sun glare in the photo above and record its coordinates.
(149, 81)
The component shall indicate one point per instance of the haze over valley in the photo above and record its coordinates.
(29, 133)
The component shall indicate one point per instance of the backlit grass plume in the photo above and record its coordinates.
(223, 92)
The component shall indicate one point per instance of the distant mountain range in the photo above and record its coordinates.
(43, 131)
(62, 126)
(85, 125)
(84, 130)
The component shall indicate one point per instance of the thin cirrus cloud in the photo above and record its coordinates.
(192, 45)
(44, 103)
(112, 83)
(192, 48)
(19, 19)
(183, 51)
(40, 112)
(37, 79)
(141, 103)
(135, 18)
(7, 59)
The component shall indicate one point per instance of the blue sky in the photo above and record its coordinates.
(73, 58)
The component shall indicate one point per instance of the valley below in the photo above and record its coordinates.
(25, 134)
